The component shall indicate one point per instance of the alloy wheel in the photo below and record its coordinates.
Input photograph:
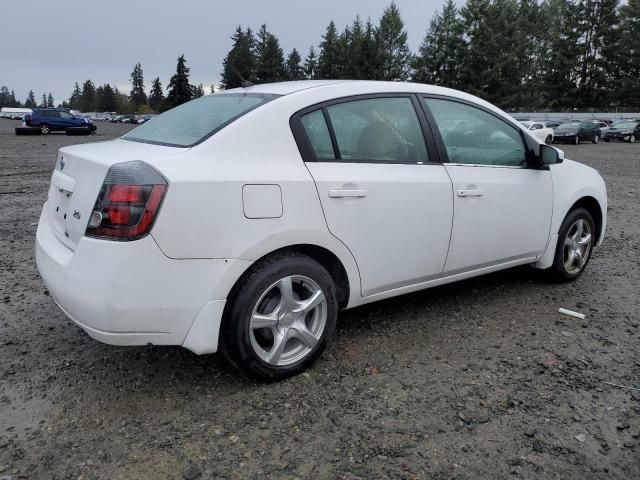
(44, 129)
(632, 139)
(577, 246)
(288, 320)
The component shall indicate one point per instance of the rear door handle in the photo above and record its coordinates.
(340, 193)
(470, 193)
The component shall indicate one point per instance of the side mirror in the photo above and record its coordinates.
(550, 155)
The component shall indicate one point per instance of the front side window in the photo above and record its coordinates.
(194, 121)
(385, 130)
(473, 136)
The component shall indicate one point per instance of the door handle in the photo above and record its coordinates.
(470, 193)
(341, 193)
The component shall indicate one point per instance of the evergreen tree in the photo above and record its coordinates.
(137, 96)
(294, 66)
(156, 96)
(240, 62)
(629, 93)
(270, 65)
(361, 59)
(43, 101)
(491, 59)
(107, 101)
(440, 57)
(179, 90)
(50, 100)
(76, 95)
(198, 91)
(559, 79)
(14, 102)
(88, 97)
(392, 43)
(4, 96)
(328, 60)
(30, 102)
(310, 64)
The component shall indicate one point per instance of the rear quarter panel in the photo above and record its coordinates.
(203, 216)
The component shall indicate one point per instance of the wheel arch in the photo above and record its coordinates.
(320, 254)
(591, 205)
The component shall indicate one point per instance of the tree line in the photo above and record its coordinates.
(519, 54)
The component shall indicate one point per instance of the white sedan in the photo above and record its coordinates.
(539, 130)
(244, 221)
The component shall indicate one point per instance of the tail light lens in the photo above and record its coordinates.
(128, 202)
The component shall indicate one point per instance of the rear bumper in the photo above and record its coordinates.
(130, 293)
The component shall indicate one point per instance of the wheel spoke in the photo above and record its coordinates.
(585, 240)
(307, 337)
(259, 320)
(286, 293)
(279, 342)
(571, 258)
(577, 255)
(310, 303)
(579, 229)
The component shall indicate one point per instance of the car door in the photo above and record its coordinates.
(382, 193)
(502, 208)
(57, 123)
(67, 120)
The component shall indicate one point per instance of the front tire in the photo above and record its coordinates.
(632, 139)
(548, 140)
(596, 137)
(45, 129)
(280, 316)
(576, 140)
(576, 238)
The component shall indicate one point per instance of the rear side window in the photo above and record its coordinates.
(195, 121)
(318, 133)
(385, 130)
(473, 136)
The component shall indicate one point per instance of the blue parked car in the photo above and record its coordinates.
(54, 119)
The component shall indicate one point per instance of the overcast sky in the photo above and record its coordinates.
(48, 45)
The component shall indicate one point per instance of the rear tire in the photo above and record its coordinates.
(45, 129)
(576, 238)
(596, 138)
(632, 139)
(576, 140)
(280, 317)
(549, 139)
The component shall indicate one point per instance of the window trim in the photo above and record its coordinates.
(308, 153)
(530, 155)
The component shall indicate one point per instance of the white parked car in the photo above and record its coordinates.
(244, 221)
(539, 130)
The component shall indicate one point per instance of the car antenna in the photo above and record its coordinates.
(245, 83)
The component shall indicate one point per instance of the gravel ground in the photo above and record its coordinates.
(482, 378)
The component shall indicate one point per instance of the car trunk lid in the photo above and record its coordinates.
(77, 179)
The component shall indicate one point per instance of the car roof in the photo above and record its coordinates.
(284, 88)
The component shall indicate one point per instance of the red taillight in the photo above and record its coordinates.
(128, 202)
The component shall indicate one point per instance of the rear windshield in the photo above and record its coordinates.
(195, 121)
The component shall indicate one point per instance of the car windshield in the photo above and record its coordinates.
(527, 124)
(195, 121)
(625, 125)
(569, 125)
